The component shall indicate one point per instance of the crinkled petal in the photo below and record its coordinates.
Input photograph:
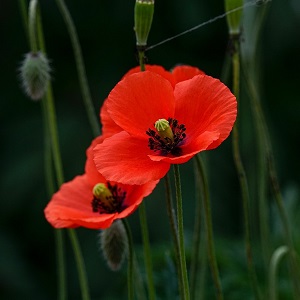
(71, 207)
(139, 100)
(205, 104)
(109, 127)
(124, 159)
(184, 72)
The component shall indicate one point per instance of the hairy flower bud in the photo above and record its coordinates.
(114, 245)
(143, 15)
(35, 74)
(234, 18)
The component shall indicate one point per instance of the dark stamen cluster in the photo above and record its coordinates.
(166, 145)
(116, 201)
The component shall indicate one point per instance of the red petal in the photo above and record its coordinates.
(135, 195)
(205, 104)
(124, 159)
(109, 127)
(71, 207)
(91, 171)
(139, 100)
(181, 73)
(155, 69)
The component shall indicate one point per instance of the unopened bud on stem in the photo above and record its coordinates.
(35, 74)
(143, 15)
(114, 245)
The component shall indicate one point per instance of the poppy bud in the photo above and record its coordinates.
(143, 15)
(35, 74)
(114, 245)
(233, 18)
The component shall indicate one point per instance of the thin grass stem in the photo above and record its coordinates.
(182, 259)
(85, 91)
(209, 233)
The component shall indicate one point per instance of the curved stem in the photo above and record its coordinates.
(174, 231)
(147, 251)
(130, 260)
(80, 68)
(52, 127)
(80, 264)
(182, 260)
(23, 10)
(32, 25)
(262, 125)
(275, 260)
(209, 232)
(242, 177)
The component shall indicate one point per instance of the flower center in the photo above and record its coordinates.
(108, 199)
(167, 138)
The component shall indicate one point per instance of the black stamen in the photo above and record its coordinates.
(165, 145)
(116, 201)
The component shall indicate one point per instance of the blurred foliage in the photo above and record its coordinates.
(105, 28)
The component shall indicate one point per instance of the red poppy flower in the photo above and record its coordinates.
(78, 203)
(199, 112)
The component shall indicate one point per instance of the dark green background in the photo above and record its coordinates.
(105, 28)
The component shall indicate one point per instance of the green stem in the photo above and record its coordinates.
(262, 125)
(130, 260)
(197, 233)
(32, 25)
(242, 177)
(80, 264)
(80, 68)
(174, 231)
(59, 239)
(141, 54)
(147, 251)
(52, 127)
(60, 261)
(209, 232)
(184, 277)
(275, 260)
(23, 10)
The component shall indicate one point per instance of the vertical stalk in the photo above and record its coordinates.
(52, 126)
(242, 175)
(182, 260)
(130, 260)
(272, 174)
(174, 231)
(209, 232)
(58, 233)
(23, 10)
(147, 252)
(197, 233)
(80, 265)
(34, 29)
(85, 91)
